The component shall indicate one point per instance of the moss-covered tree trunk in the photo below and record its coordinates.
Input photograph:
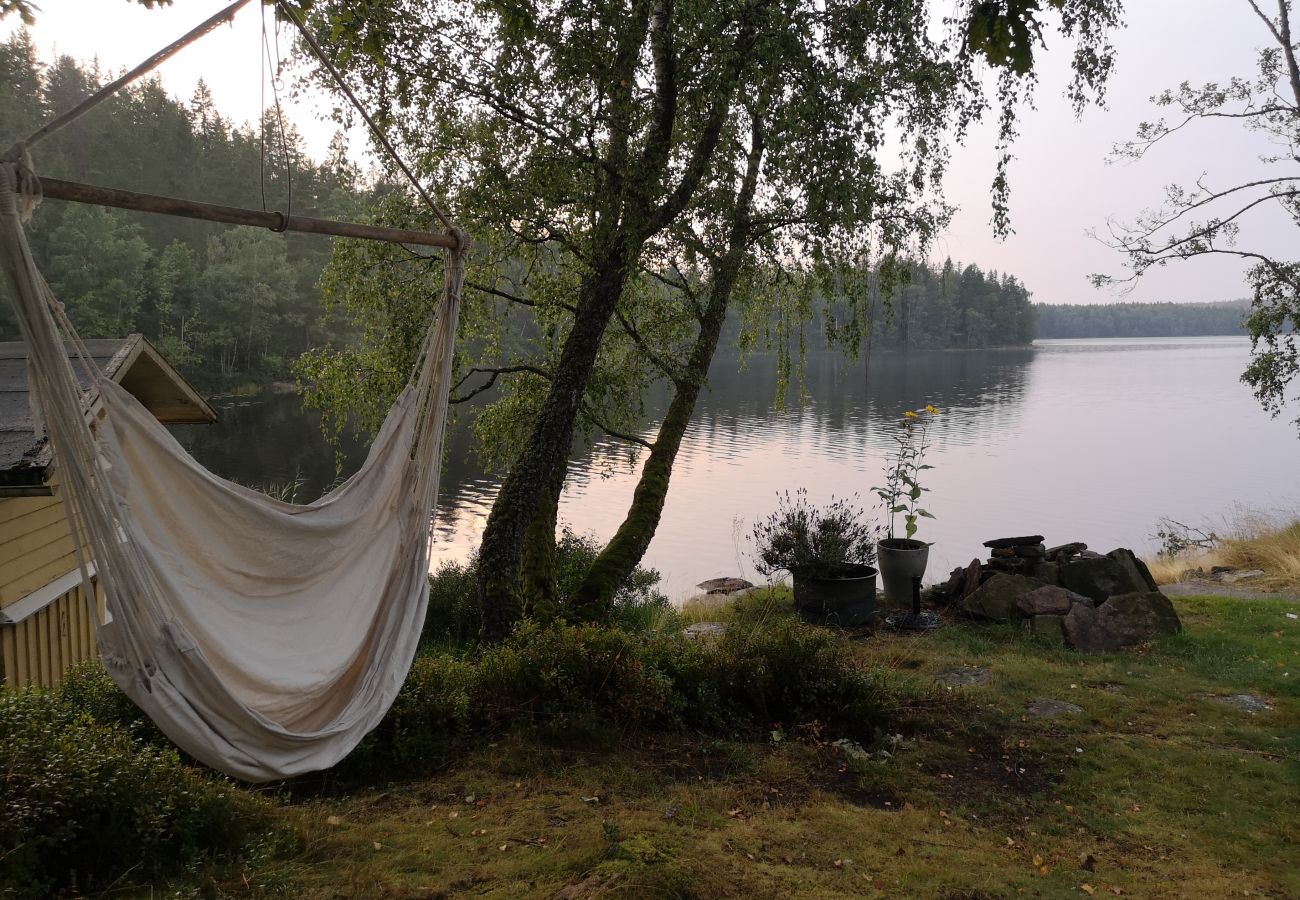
(627, 548)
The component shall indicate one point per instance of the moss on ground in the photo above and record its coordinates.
(1158, 789)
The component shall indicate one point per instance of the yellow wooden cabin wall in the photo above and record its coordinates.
(38, 650)
(36, 549)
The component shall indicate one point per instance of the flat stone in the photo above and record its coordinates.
(1122, 621)
(852, 749)
(996, 599)
(1002, 552)
(1074, 548)
(724, 585)
(963, 676)
(997, 543)
(1050, 628)
(1241, 575)
(1100, 578)
(1043, 707)
(1031, 551)
(1249, 702)
(705, 629)
(1137, 570)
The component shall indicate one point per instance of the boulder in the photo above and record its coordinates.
(974, 578)
(1121, 621)
(1100, 578)
(1002, 552)
(1031, 551)
(1049, 600)
(1137, 569)
(996, 599)
(1046, 572)
(1241, 575)
(1043, 707)
(1008, 542)
(1050, 628)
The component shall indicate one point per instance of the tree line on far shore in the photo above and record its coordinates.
(1108, 320)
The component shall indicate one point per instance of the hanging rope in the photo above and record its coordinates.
(292, 15)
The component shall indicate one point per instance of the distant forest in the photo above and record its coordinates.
(233, 306)
(1140, 319)
(228, 305)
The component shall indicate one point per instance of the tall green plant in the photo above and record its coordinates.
(902, 490)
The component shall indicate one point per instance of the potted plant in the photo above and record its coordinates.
(903, 559)
(829, 552)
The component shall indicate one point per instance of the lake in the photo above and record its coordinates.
(1090, 440)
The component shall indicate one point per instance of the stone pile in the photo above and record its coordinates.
(1066, 593)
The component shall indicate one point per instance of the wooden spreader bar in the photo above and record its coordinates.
(233, 215)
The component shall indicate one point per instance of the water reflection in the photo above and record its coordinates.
(1086, 440)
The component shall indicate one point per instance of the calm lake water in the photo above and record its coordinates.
(1090, 440)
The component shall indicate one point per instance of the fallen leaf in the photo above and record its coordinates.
(453, 814)
(503, 847)
(839, 863)
(1038, 860)
(334, 820)
(1117, 891)
(1044, 870)
(1087, 889)
(378, 846)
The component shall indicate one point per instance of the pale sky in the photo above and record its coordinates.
(1061, 181)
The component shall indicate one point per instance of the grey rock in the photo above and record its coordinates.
(1100, 578)
(1031, 551)
(1049, 600)
(996, 599)
(963, 676)
(997, 543)
(1241, 575)
(1002, 552)
(705, 629)
(1073, 548)
(852, 749)
(1122, 621)
(1049, 627)
(1091, 554)
(1137, 570)
(724, 585)
(974, 578)
(1249, 702)
(1046, 572)
(1043, 707)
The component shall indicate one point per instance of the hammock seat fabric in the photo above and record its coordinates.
(265, 638)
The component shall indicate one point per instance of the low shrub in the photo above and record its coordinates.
(592, 684)
(454, 617)
(86, 802)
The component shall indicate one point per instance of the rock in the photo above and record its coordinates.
(1241, 575)
(1090, 554)
(1100, 578)
(1033, 552)
(1002, 552)
(1061, 552)
(963, 676)
(1049, 627)
(1049, 600)
(1136, 568)
(974, 578)
(1046, 706)
(1249, 702)
(724, 585)
(852, 749)
(705, 629)
(1219, 570)
(998, 543)
(1192, 574)
(1121, 621)
(1046, 572)
(996, 599)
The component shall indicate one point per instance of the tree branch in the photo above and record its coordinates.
(492, 374)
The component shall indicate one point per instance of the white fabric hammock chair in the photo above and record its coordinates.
(264, 638)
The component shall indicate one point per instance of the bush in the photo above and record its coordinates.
(86, 801)
(454, 617)
(592, 684)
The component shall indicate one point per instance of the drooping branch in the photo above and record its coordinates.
(493, 374)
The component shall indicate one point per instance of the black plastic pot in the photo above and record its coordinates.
(847, 600)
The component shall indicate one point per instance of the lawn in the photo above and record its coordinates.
(1158, 788)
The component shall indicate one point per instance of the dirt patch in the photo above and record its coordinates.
(991, 771)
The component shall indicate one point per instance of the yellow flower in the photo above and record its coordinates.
(932, 409)
(910, 415)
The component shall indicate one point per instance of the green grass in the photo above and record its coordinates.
(1155, 790)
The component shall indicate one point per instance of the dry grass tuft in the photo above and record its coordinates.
(1252, 541)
